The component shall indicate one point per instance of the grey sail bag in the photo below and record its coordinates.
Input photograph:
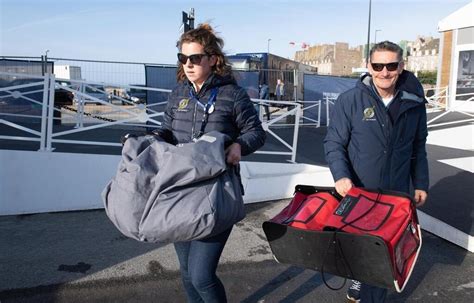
(166, 193)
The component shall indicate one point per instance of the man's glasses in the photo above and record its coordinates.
(378, 67)
(195, 59)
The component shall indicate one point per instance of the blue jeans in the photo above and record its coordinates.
(198, 263)
(372, 294)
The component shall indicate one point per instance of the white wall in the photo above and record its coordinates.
(33, 182)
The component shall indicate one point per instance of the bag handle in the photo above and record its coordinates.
(339, 249)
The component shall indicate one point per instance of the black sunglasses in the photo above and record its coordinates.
(378, 67)
(195, 58)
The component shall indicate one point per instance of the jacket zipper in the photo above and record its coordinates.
(194, 120)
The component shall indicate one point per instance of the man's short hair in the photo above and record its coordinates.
(387, 46)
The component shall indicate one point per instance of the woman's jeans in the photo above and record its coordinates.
(198, 263)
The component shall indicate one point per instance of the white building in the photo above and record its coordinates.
(67, 72)
(457, 58)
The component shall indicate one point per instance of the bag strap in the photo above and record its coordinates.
(337, 243)
(209, 109)
(339, 251)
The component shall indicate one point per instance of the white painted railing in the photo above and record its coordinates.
(89, 112)
(438, 100)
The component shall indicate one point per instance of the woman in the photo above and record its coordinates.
(206, 99)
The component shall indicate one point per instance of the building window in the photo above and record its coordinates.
(465, 81)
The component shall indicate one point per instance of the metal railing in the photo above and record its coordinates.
(35, 101)
(438, 101)
(104, 113)
(466, 100)
(88, 113)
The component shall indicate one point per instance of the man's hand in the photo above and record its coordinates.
(343, 185)
(233, 154)
(420, 197)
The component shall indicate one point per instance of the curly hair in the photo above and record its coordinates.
(205, 36)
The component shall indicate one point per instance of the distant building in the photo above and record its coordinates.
(270, 68)
(422, 54)
(29, 67)
(456, 71)
(67, 72)
(332, 59)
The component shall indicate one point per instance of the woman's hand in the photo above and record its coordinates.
(233, 154)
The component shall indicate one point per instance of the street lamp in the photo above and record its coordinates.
(368, 34)
(268, 45)
(375, 38)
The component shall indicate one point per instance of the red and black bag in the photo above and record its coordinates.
(369, 235)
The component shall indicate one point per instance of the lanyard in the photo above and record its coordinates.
(208, 109)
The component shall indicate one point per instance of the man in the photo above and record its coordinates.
(280, 90)
(263, 94)
(377, 137)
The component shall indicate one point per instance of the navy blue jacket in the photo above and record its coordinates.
(233, 115)
(364, 145)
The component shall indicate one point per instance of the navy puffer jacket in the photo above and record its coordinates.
(364, 145)
(233, 115)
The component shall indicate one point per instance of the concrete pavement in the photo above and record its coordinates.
(81, 257)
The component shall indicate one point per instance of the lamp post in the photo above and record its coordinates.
(368, 35)
(268, 45)
(375, 38)
(44, 65)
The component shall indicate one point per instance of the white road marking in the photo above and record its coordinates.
(461, 137)
(464, 286)
(466, 163)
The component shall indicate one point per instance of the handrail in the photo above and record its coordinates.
(104, 114)
(138, 115)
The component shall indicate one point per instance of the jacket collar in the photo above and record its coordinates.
(407, 86)
(214, 80)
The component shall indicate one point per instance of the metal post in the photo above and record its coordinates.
(46, 61)
(44, 112)
(268, 45)
(368, 35)
(80, 108)
(295, 85)
(319, 112)
(49, 131)
(295, 133)
(327, 111)
(191, 18)
(43, 66)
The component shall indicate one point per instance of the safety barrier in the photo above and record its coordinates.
(94, 108)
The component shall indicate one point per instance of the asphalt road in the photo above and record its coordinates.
(81, 257)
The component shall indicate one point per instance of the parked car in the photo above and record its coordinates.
(138, 96)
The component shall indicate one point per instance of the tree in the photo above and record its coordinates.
(427, 77)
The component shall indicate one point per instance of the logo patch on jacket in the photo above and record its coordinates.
(183, 104)
(369, 114)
